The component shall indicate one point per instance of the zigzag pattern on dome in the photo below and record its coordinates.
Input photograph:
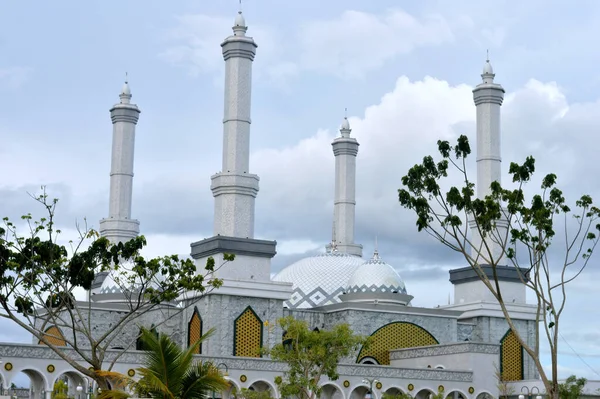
(377, 288)
(315, 298)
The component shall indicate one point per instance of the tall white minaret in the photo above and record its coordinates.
(118, 226)
(345, 149)
(234, 188)
(488, 97)
(468, 288)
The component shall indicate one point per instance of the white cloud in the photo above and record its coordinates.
(357, 42)
(347, 46)
(14, 77)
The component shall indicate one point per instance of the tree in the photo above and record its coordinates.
(60, 390)
(572, 388)
(311, 354)
(504, 387)
(521, 240)
(39, 278)
(169, 372)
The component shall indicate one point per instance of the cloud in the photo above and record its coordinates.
(348, 46)
(14, 77)
(357, 42)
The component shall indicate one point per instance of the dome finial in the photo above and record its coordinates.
(239, 26)
(345, 128)
(125, 95)
(488, 71)
(376, 251)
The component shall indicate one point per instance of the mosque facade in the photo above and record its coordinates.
(455, 348)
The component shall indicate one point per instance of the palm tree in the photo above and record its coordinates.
(170, 372)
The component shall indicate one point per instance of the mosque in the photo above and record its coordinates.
(454, 349)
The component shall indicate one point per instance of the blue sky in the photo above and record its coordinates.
(404, 70)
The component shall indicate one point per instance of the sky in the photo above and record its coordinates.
(403, 70)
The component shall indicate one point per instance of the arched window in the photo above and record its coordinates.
(140, 344)
(54, 336)
(396, 335)
(247, 334)
(195, 331)
(511, 357)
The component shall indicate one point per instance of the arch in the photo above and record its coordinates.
(456, 394)
(440, 367)
(395, 335)
(511, 357)
(231, 392)
(368, 360)
(360, 392)
(247, 334)
(195, 330)
(262, 386)
(424, 393)
(38, 381)
(484, 395)
(73, 379)
(394, 390)
(140, 345)
(54, 336)
(330, 390)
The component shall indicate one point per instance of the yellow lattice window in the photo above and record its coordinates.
(247, 334)
(195, 331)
(397, 335)
(511, 358)
(54, 336)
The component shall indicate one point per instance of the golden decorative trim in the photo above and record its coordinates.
(131, 372)
(411, 387)
(8, 366)
(441, 388)
(50, 368)
(243, 378)
(346, 383)
(379, 385)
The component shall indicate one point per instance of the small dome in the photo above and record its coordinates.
(345, 124)
(487, 68)
(376, 276)
(126, 90)
(239, 20)
(318, 280)
(109, 286)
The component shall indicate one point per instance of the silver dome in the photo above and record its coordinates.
(318, 280)
(375, 275)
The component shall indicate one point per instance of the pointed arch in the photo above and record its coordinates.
(247, 334)
(54, 336)
(140, 345)
(395, 335)
(511, 357)
(195, 330)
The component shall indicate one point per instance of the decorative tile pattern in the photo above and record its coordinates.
(375, 275)
(54, 336)
(395, 336)
(248, 334)
(511, 362)
(195, 331)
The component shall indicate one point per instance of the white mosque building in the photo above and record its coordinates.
(454, 349)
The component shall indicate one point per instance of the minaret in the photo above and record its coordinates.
(345, 149)
(468, 288)
(234, 188)
(118, 226)
(488, 97)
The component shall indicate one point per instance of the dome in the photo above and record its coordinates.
(109, 286)
(239, 20)
(318, 280)
(345, 124)
(487, 68)
(375, 275)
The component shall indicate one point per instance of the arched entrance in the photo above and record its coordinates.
(424, 394)
(330, 391)
(37, 383)
(67, 383)
(261, 386)
(393, 391)
(456, 395)
(360, 392)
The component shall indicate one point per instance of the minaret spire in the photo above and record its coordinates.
(345, 150)
(488, 97)
(118, 226)
(234, 187)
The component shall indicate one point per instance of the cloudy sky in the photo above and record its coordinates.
(404, 72)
